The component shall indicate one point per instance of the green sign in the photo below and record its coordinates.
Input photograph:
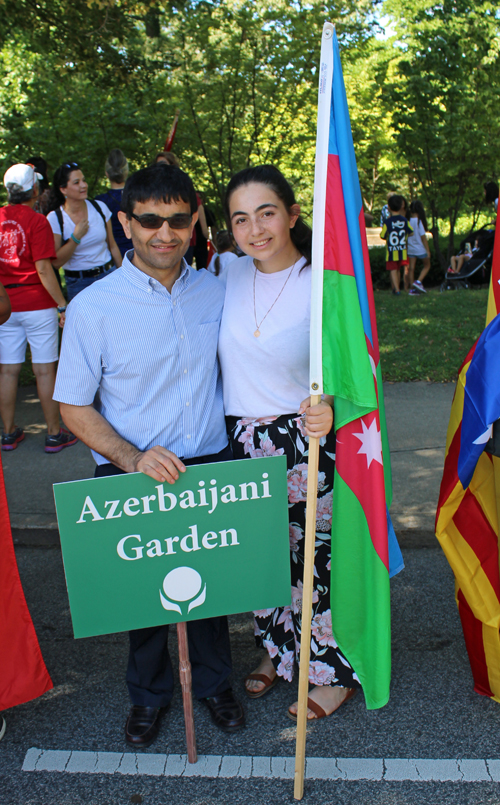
(138, 553)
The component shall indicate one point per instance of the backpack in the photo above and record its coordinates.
(60, 219)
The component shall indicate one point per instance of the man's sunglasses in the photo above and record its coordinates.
(179, 221)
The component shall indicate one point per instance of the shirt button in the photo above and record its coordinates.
(182, 336)
(174, 303)
(187, 403)
(188, 436)
(186, 371)
(150, 290)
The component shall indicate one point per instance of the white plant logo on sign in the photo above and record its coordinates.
(182, 584)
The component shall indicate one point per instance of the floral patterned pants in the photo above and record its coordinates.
(279, 629)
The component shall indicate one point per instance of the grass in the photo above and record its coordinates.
(427, 337)
(421, 337)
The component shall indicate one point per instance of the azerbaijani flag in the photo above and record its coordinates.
(467, 520)
(23, 675)
(345, 363)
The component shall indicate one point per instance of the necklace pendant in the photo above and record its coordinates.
(257, 333)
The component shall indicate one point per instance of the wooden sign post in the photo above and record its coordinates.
(187, 698)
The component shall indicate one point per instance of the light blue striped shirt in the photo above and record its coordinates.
(147, 359)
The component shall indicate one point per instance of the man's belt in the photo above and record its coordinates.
(90, 272)
(21, 284)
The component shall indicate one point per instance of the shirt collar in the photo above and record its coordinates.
(146, 283)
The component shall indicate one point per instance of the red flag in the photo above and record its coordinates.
(23, 675)
(170, 138)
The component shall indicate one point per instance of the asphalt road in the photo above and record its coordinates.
(433, 711)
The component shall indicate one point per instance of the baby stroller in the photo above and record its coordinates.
(475, 270)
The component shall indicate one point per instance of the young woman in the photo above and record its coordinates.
(83, 237)
(418, 249)
(264, 354)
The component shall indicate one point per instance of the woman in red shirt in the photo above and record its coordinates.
(26, 251)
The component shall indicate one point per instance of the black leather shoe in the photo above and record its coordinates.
(143, 725)
(226, 711)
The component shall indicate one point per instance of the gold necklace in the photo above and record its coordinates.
(258, 326)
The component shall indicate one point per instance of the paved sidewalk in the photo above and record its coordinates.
(417, 418)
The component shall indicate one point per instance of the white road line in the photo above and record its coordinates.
(466, 770)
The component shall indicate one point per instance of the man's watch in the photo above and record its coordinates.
(62, 309)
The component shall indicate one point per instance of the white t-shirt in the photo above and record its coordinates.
(225, 258)
(415, 245)
(93, 250)
(268, 375)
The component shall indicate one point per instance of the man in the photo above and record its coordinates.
(26, 250)
(144, 340)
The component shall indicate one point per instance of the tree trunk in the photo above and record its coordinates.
(437, 248)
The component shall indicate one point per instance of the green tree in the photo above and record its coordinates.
(243, 73)
(367, 70)
(445, 99)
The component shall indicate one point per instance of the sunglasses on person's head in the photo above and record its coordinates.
(70, 164)
(180, 220)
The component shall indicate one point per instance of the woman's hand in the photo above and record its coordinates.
(81, 229)
(319, 418)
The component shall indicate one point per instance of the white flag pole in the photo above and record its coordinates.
(316, 388)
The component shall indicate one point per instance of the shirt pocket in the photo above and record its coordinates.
(208, 337)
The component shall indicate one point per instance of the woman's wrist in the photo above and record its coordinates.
(75, 239)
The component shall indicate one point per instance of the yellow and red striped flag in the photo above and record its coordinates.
(467, 520)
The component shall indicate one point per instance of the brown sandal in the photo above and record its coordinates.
(318, 710)
(268, 685)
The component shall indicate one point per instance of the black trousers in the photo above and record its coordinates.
(150, 677)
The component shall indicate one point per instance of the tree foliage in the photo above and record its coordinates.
(79, 78)
(445, 98)
(242, 72)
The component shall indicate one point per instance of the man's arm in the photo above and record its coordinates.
(4, 305)
(93, 430)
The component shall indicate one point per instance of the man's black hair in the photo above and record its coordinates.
(158, 183)
(395, 202)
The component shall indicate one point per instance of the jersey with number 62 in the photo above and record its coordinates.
(395, 232)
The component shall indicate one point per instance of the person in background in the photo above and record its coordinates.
(83, 237)
(166, 158)
(206, 221)
(457, 261)
(116, 170)
(26, 251)
(395, 232)
(226, 252)
(418, 249)
(385, 213)
(491, 192)
(203, 228)
(5, 306)
(43, 201)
